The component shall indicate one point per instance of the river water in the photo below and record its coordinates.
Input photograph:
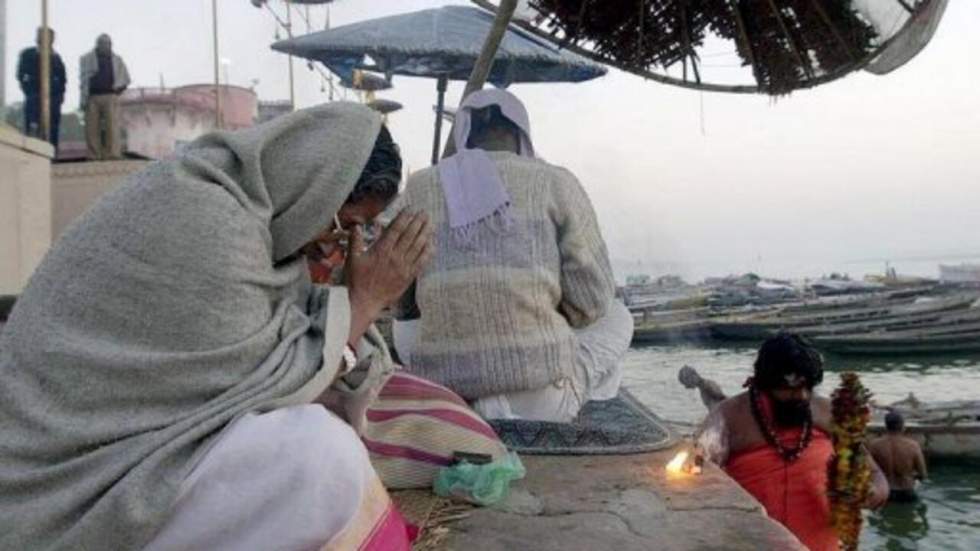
(947, 517)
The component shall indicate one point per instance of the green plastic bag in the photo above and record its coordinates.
(480, 484)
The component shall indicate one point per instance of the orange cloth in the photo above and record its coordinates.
(795, 494)
(321, 270)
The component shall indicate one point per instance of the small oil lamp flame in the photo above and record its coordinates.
(676, 465)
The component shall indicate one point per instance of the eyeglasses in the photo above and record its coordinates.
(370, 232)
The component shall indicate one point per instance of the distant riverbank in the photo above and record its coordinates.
(695, 271)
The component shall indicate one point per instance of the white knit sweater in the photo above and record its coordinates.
(496, 316)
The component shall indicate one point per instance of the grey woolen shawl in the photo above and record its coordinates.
(173, 306)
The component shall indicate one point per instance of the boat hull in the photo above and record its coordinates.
(937, 441)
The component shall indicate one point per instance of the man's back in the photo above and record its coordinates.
(498, 311)
(900, 458)
(29, 71)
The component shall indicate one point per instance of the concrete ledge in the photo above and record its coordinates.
(97, 168)
(11, 137)
(75, 186)
(25, 207)
(621, 503)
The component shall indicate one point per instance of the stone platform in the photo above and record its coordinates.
(620, 503)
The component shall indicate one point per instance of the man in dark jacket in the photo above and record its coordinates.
(29, 76)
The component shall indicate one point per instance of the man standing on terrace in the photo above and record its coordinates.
(103, 78)
(29, 77)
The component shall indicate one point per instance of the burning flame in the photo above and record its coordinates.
(676, 465)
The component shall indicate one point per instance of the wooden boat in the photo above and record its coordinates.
(860, 300)
(955, 441)
(933, 319)
(669, 332)
(663, 327)
(943, 429)
(821, 321)
(921, 341)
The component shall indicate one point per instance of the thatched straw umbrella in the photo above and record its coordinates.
(787, 44)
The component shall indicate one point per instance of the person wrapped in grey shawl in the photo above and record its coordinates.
(173, 306)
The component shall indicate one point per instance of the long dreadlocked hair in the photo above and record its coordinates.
(787, 354)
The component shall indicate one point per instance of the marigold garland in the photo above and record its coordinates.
(849, 474)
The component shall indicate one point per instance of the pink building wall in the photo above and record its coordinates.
(155, 120)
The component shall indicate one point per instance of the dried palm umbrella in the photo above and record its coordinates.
(785, 45)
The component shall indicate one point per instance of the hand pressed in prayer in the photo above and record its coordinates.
(378, 276)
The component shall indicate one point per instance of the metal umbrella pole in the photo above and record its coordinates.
(45, 72)
(289, 32)
(217, 84)
(441, 85)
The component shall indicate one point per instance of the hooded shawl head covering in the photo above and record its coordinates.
(171, 307)
(470, 180)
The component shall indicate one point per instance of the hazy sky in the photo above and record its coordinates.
(865, 168)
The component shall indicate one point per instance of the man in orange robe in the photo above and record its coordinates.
(774, 440)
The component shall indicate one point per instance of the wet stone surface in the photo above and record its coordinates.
(623, 503)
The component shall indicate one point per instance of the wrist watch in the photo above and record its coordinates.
(350, 360)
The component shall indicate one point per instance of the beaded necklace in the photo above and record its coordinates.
(789, 455)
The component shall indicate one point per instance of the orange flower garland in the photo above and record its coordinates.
(849, 474)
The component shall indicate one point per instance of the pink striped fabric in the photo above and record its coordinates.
(414, 427)
(391, 533)
(450, 416)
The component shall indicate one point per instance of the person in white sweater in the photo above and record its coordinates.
(517, 312)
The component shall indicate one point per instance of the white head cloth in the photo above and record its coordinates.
(470, 180)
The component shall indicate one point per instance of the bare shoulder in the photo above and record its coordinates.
(723, 414)
(878, 442)
(910, 442)
(733, 404)
(736, 412)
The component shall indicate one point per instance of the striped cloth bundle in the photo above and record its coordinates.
(414, 428)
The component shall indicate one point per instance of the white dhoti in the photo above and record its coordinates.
(596, 376)
(296, 478)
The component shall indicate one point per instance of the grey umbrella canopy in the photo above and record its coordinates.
(384, 106)
(259, 3)
(367, 82)
(441, 43)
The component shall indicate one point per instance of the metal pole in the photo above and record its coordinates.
(3, 58)
(329, 74)
(441, 85)
(289, 31)
(45, 73)
(218, 118)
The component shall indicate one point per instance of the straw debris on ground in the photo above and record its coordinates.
(432, 514)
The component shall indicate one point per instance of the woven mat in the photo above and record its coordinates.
(432, 514)
(619, 426)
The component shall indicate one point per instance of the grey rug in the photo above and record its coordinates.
(619, 426)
